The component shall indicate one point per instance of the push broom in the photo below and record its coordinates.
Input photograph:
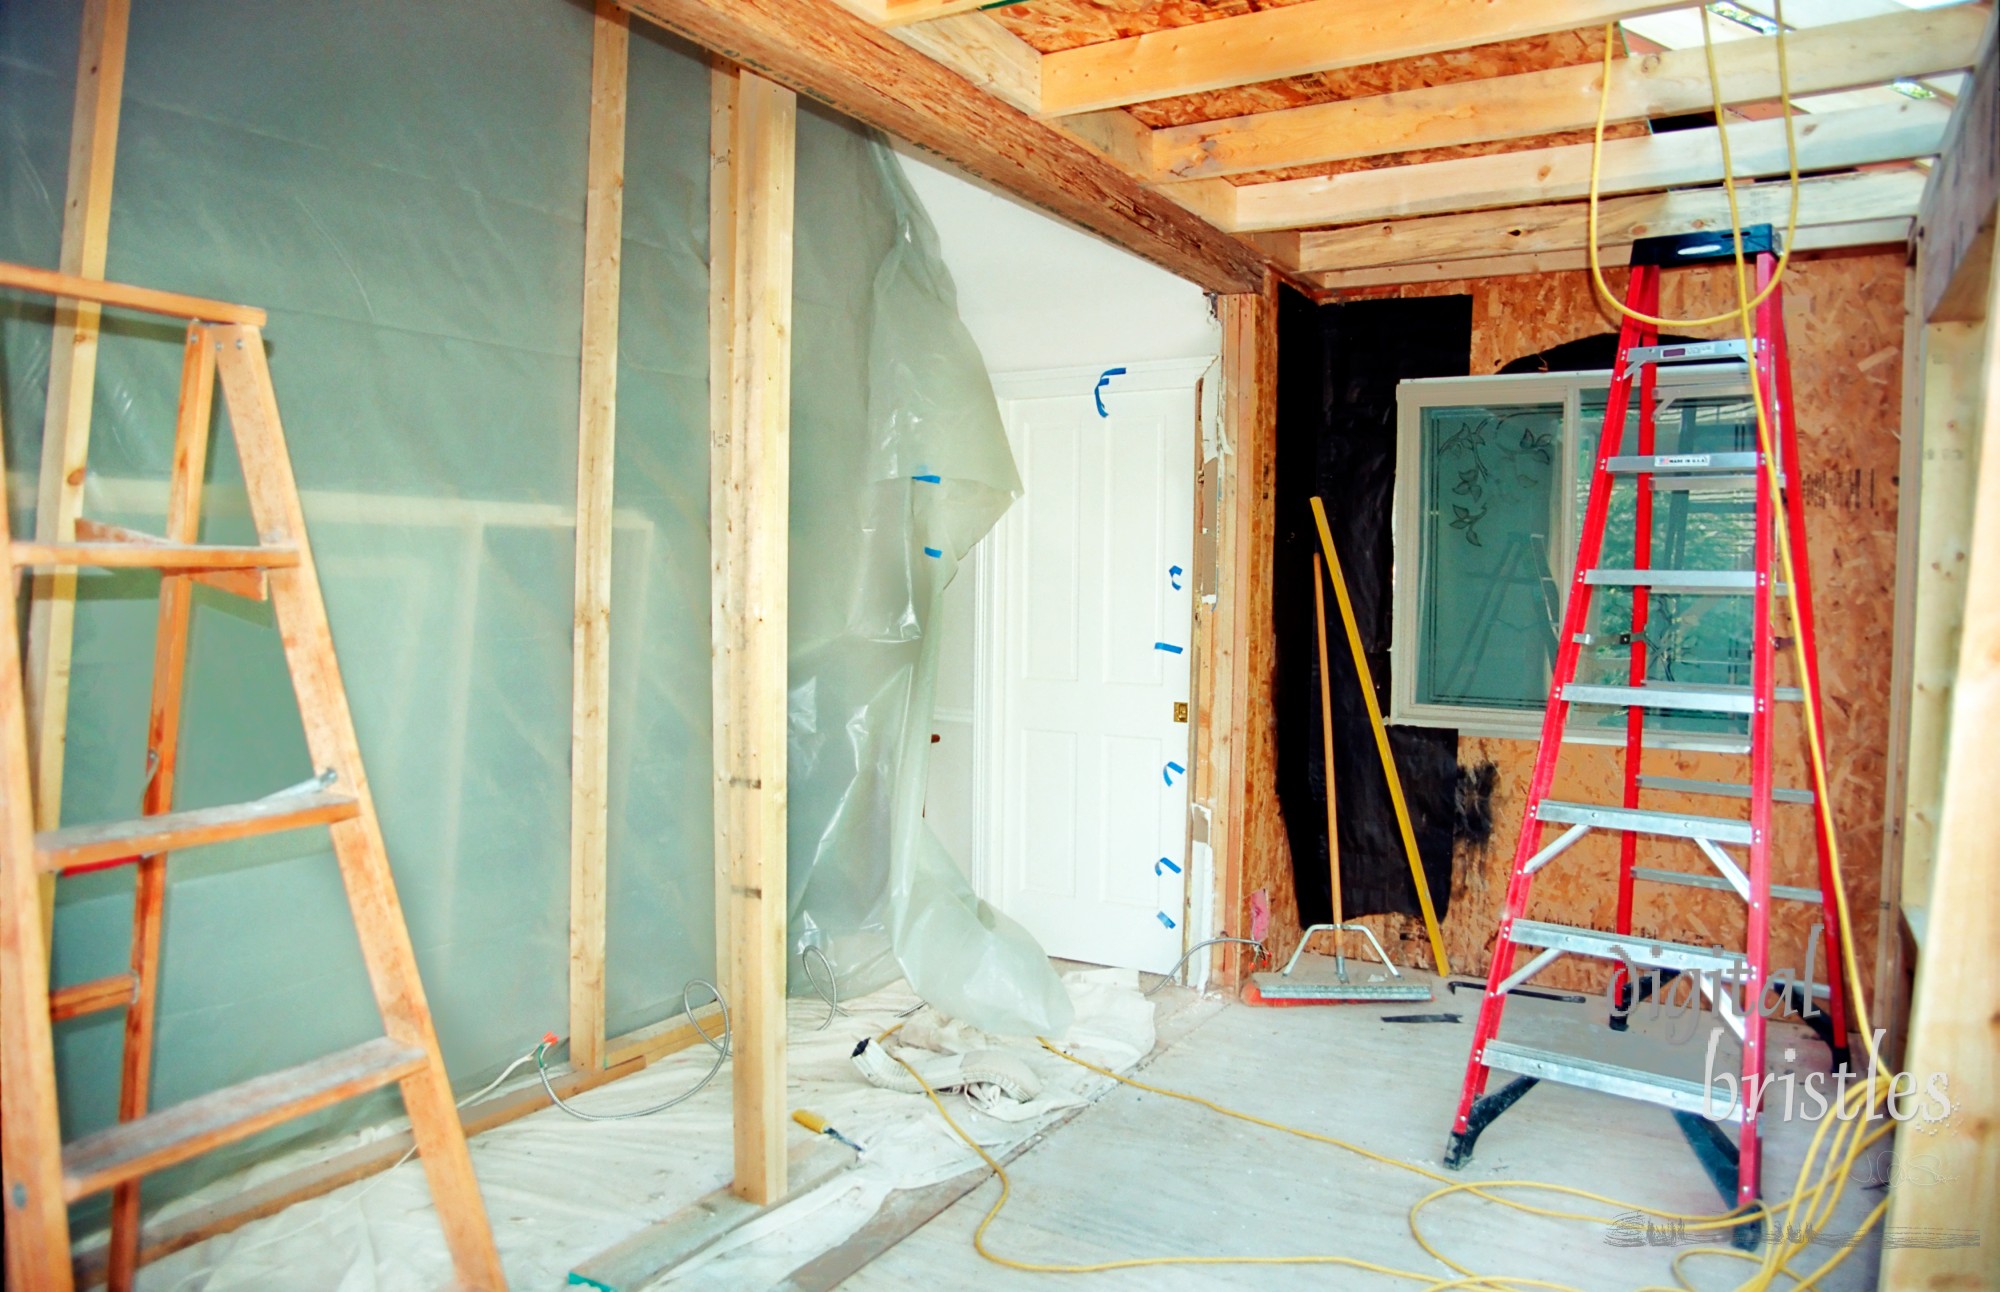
(1282, 988)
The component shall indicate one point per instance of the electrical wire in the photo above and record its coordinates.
(1843, 1134)
(1728, 177)
(1188, 955)
(718, 1043)
(830, 993)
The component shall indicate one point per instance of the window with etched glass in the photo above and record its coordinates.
(1493, 476)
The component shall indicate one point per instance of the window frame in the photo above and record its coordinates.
(1566, 388)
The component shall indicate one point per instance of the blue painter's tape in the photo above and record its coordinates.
(932, 551)
(928, 479)
(1171, 768)
(1098, 393)
(1168, 862)
(1169, 647)
(1165, 918)
(1174, 573)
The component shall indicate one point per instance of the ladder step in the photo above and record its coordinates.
(250, 584)
(1683, 463)
(161, 1139)
(1719, 789)
(1639, 950)
(1676, 1093)
(1703, 484)
(1716, 581)
(1659, 695)
(156, 555)
(92, 997)
(120, 841)
(1641, 821)
(1783, 892)
(1688, 352)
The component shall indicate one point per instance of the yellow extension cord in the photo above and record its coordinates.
(1799, 1218)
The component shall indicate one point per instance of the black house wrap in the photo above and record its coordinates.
(1338, 366)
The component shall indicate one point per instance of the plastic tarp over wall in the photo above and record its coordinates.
(402, 187)
(899, 465)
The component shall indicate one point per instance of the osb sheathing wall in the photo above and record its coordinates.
(1844, 321)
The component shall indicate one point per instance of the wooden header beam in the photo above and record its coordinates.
(1821, 237)
(1825, 142)
(1842, 56)
(1835, 200)
(1300, 39)
(1956, 225)
(822, 51)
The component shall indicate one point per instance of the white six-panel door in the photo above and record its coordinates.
(1084, 655)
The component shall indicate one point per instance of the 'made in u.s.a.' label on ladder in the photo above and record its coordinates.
(1680, 462)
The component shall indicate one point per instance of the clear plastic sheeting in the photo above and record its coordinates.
(893, 481)
(401, 186)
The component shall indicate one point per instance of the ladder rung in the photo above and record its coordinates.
(249, 584)
(1687, 352)
(1717, 581)
(160, 555)
(1639, 950)
(1641, 821)
(80, 845)
(1655, 695)
(1784, 892)
(1683, 463)
(91, 997)
(1719, 789)
(1703, 484)
(1629, 1083)
(160, 1139)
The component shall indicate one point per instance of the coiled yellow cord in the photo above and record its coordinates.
(1801, 1216)
(1728, 175)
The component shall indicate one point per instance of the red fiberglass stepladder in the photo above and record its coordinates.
(1695, 1105)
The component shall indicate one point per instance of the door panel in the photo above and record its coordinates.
(1080, 627)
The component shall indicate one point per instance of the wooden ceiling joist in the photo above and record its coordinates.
(1299, 39)
(829, 54)
(1611, 255)
(1837, 199)
(1848, 55)
(1833, 141)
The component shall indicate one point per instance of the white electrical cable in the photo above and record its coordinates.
(720, 1044)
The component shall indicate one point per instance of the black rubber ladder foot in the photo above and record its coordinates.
(1458, 1149)
(1718, 1157)
(1633, 994)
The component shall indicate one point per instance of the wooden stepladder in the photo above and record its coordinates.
(1734, 981)
(41, 1174)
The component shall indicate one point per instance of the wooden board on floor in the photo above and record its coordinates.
(638, 1260)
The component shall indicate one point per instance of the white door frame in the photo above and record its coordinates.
(992, 609)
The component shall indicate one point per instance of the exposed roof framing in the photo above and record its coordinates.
(1834, 141)
(820, 51)
(1872, 51)
(1296, 39)
(1422, 108)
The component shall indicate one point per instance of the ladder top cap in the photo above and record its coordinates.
(1703, 248)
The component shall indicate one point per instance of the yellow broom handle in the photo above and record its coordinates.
(1326, 742)
(1381, 737)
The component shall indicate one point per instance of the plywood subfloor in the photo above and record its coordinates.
(1137, 1174)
